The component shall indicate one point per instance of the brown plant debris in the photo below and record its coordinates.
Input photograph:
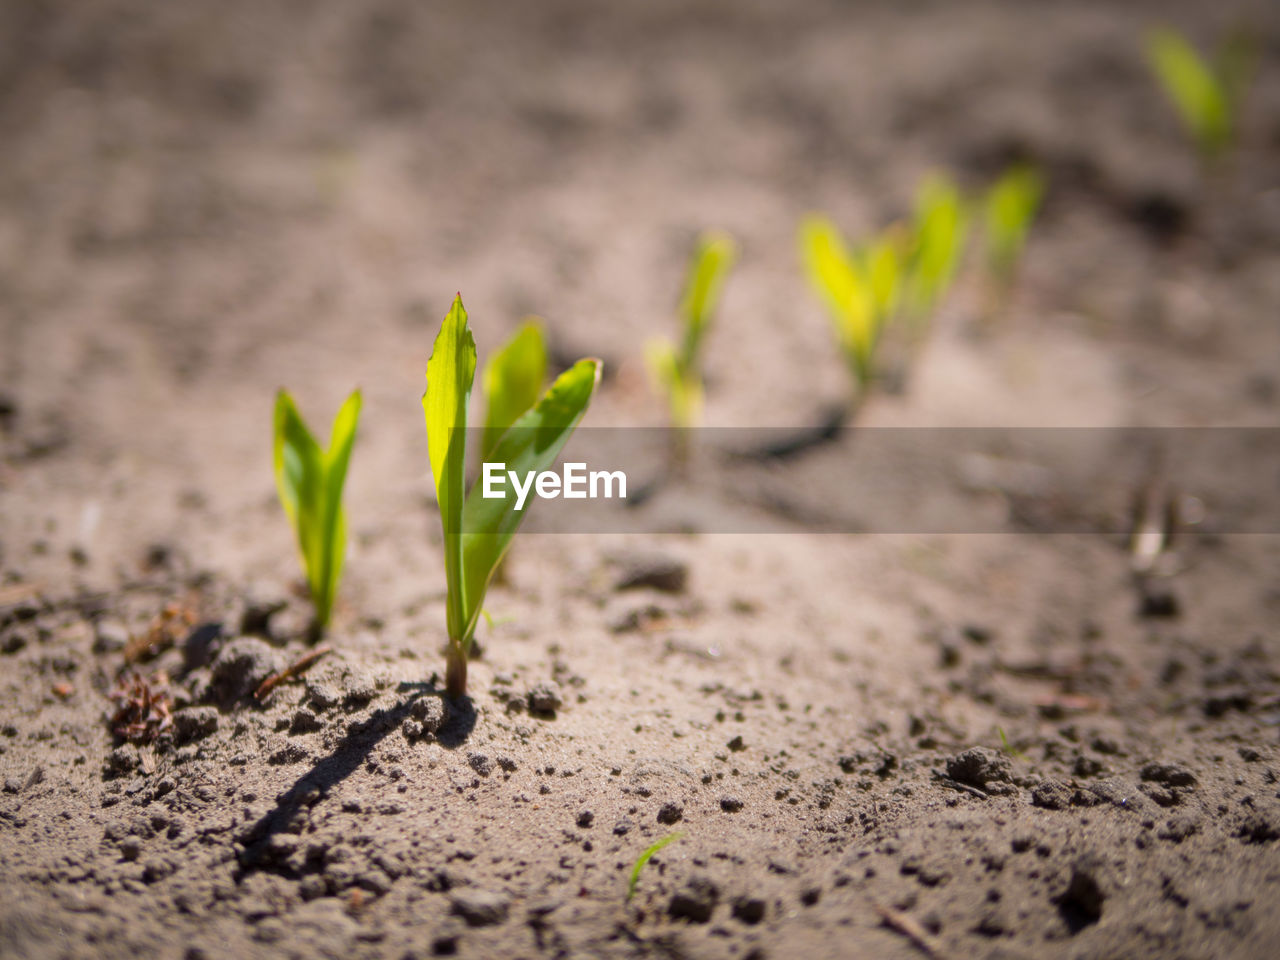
(144, 707)
(168, 626)
(294, 669)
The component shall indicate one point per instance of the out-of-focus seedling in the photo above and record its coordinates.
(1009, 209)
(938, 234)
(1008, 748)
(676, 369)
(645, 858)
(861, 290)
(310, 482)
(514, 379)
(1205, 93)
(478, 530)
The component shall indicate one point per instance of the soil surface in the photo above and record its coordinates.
(890, 746)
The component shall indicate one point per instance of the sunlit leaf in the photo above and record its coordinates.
(450, 372)
(310, 483)
(842, 283)
(530, 445)
(514, 378)
(711, 263)
(645, 857)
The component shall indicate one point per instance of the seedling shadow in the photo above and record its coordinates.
(354, 749)
(828, 430)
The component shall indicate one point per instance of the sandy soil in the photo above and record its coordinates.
(890, 746)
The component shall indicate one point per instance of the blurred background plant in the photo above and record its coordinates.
(1206, 93)
(676, 369)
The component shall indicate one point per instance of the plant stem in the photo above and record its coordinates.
(455, 671)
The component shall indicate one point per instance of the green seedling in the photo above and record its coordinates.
(310, 482)
(1205, 93)
(861, 290)
(676, 370)
(1008, 748)
(939, 232)
(645, 858)
(478, 530)
(1009, 209)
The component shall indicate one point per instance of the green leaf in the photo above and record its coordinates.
(711, 263)
(938, 241)
(336, 460)
(881, 266)
(843, 285)
(1193, 87)
(532, 443)
(645, 858)
(1011, 206)
(683, 393)
(310, 483)
(450, 372)
(513, 380)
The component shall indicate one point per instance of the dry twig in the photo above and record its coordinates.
(295, 668)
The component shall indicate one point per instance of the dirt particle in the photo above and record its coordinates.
(585, 818)
(359, 689)
(748, 910)
(1260, 827)
(623, 827)
(238, 669)
(305, 720)
(480, 908)
(1158, 602)
(430, 712)
(1120, 792)
(1179, 828)
(544, 699)
(194, 723)
(123, 759)
(695, 901)
(983, 768)
(670, 812)
(323, 696)
(289, 753)
(656, 571)
(736, 744)
(992, 924)
(1170, 774)
(1081, 903)
(444, 942)
(730, 804)
(1051, 795)
(109, 636)
(480, 763)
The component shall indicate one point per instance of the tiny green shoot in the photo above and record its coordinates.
(1008, 748)
(645, 858)
(479, 530)
(861, 290)
(1009, 209)
(309, 481)
(676, 369)
(1206, 94)
(938, 235)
